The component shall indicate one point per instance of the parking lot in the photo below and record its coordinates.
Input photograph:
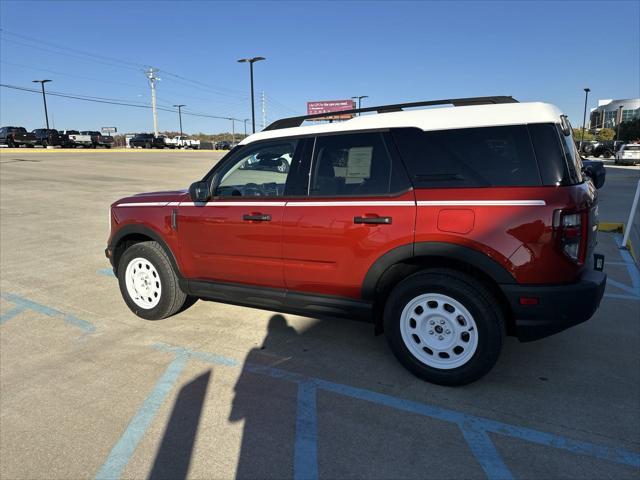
(91, 391)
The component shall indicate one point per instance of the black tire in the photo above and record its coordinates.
(473, 296)
(283, 167)
(607, 154)
(11, 143)
(172, 298)
(45, 143)
(588, 149)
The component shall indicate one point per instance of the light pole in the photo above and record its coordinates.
(251, 61)
(44, 99)
(245, 127)
(360, 101)
(584, 115)
(619, 122)
(180, 116)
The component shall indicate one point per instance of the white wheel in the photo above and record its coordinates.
(439, 331)
(143, 283)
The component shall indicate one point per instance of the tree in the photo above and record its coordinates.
(577, 135)
(606, 134)
(630, 130)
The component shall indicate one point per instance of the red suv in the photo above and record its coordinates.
(449, 228)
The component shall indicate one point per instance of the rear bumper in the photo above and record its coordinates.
(559, 306)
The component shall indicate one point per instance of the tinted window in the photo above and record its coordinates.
(257, 171)
(549, 153)
(469, 157)
(573, 160)
(354, 164)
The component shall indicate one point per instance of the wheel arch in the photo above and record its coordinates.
(405, 260)
(132, 234)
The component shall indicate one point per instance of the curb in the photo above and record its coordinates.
(618, 227)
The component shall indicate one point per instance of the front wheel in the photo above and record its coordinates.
(444, 326)
(148, 283)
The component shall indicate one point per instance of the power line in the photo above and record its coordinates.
(111, 61)
(116, 102)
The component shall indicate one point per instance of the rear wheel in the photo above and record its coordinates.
(45, 143)
(283, 166)
(607, 154)
(11, 143)
(148, 283)
(444, 326)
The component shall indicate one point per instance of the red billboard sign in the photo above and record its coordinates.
(330, 106)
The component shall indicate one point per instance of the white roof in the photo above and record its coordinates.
(445, 118)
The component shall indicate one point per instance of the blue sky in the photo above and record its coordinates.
(391, 51)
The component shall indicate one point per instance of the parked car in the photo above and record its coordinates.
(594, 169)
(99, 140)
(606, 148)
(16, 137)
(270, 161)
(182, 142)
(76, 139)
(147, 140)
(223, 145)
(50, 137)
(446, 227)
(628, 154)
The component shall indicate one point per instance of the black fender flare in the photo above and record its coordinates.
(148, 232)
(445, 250)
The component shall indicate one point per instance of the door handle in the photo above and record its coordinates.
(258, 217)
(373, 220)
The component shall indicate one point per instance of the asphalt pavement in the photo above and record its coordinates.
(89, 390)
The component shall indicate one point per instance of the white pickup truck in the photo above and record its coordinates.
(76, 139)
(182, 142)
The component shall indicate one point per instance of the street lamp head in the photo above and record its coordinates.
(251, 60)
(178, 106)
(41, 81)
(587, 90)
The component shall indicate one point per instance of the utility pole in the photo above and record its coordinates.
(180, 116)
(251, 61)
(44, 99)
(233, 130)
(264, 112)
(152, 75)
(245, 127)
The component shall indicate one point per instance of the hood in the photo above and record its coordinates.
(155, 197)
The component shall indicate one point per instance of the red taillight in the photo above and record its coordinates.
(571, 230)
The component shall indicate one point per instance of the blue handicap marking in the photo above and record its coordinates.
(22, 304)
(475, 429)
(631, 292)
(106, 272)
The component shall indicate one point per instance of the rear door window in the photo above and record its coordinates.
(355, 164)
(469, 157)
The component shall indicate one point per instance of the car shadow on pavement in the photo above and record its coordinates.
(174, 454)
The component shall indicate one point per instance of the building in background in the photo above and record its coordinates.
(608, 113)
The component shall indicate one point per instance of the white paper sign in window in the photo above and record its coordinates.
(359, 162)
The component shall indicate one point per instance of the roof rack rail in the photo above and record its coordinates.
(398, 107)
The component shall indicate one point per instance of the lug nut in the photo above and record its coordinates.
(430, 332)
(447, 332)
(440, 337)
(441, 322)
(431, 322)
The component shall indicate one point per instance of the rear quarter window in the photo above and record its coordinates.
(469, 157)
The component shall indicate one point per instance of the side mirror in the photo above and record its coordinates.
(199, 192)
